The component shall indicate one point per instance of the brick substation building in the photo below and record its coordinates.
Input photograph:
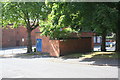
(57, 48)
(16, 37)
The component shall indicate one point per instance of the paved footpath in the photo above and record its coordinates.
(53, 68)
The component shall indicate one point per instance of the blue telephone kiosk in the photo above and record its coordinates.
(39, 45)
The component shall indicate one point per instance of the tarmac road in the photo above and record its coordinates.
(48, 68)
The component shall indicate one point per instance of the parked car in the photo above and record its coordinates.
(110, 44)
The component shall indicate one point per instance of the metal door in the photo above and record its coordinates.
(39, 45)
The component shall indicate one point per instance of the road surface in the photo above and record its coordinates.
(48, 68)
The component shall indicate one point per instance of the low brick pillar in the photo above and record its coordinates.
(54, 48)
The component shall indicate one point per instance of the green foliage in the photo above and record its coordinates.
(28, 14)
(23, 13)
(79, 17)
(55, 32)
(104, 18)
(58, 19)
(66, 15)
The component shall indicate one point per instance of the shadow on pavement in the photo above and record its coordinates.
(102, 62)
(98, 59)
(103, 59)
(90, 61)
(27, 56)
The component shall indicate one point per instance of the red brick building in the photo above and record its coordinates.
(61, 47)
(16, 37)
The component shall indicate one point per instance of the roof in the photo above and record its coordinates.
(83, 34)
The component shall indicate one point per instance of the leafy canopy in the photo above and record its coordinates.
(23, 13)
(104, 19)
(80, 16)
(60, 20)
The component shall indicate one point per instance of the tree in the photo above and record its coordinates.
(66, 15)
(59, 18)
(116, 5)
(97, 17)
(104, 21)
(28, 14)
(118, 29)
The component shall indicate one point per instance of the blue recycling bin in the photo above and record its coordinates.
(39, 45)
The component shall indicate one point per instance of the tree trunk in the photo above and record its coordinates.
(118, 37)
(29, 42)
(118, 40)
(118, 34)
(103, 45)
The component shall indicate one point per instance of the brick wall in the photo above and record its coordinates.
(49, 46)
(13, 37)
(54, 48)
(0, 37)
(76, 46)
(62, 47)
(8, 37)
(45, 42)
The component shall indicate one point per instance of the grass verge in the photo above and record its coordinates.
(111, 55)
